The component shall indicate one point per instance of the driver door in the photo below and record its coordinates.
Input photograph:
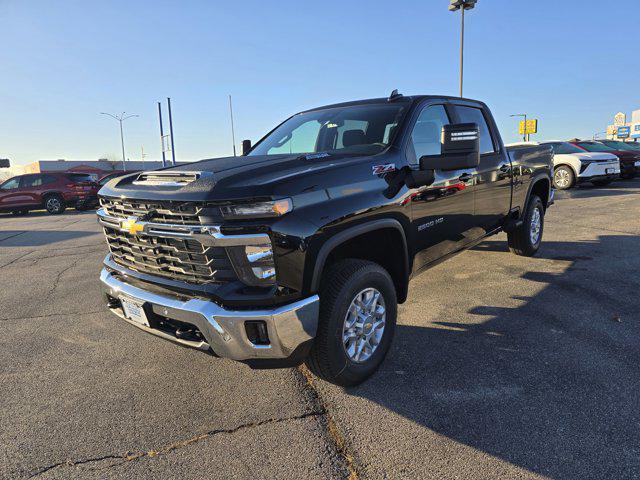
(10, 196)
(443, 212)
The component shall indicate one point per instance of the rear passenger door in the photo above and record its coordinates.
(493, 179)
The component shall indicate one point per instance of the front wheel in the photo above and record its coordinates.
(525, 240)
(563, 178)
(358, 309)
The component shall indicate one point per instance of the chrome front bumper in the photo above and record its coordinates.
(288, 326)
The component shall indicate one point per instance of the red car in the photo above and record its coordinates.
(54, 191)
(629, 159)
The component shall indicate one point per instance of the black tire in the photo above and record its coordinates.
(563, 178)
(54, 204)
(520, 241)
(341, 283)
(601, 183)
(628, 176)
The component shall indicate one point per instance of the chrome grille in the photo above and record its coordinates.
(175, 258)
(182, 259)
(179, 214)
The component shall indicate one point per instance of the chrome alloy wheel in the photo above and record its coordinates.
(561, 178)
(535, 226)
(364, 325)
(53, 204)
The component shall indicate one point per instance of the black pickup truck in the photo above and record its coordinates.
(302, 248)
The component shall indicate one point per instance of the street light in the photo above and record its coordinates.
(462, 5)
(121, 118)
(524, 137)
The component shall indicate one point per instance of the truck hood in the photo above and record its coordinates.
(231, 178)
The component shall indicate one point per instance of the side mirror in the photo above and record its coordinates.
(246, 146)
(460, 148)
(4, 163)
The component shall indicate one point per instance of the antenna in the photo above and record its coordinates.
(233, 133)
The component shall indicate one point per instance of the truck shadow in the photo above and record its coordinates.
(551, 385)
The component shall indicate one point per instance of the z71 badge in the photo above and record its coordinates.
(386, 168)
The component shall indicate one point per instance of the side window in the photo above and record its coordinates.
(31, 181)
(47, 179)
(11, 184)
(427, 132)
(475, 115)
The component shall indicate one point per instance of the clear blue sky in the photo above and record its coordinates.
(571, 64)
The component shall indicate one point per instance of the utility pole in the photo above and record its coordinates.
(462, 5)
(164, 158)
(233, 133)
(173, 151)
(525, 136)
(121, 118)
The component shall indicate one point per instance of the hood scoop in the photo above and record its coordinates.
(169, 178)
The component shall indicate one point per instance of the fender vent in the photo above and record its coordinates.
(168, 178)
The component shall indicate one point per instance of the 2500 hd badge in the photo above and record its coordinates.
(294, 252)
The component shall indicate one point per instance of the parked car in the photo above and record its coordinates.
(619, 145)
(302, 249)
(629, 160)
(572, 165)
(54, 191)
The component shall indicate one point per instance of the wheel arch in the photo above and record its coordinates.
(541, 186)
(366, 241)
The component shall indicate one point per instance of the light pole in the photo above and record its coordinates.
(525, 137)
(461, 5)
(121, 118)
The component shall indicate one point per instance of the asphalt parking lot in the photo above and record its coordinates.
(502, 367)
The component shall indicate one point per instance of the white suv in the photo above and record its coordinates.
(572, 165)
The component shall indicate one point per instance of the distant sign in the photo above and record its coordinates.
(620, 119)
(531, 127)
(4, 163)
(623, 132)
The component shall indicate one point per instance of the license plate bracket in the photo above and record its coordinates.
(134, 311)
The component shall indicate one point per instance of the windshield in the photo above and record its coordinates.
(620, 145)
(360, 129)
(595, 147)
(563, 148)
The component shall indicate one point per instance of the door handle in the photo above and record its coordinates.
(465, 177)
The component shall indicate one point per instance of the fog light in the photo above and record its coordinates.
(257, 332)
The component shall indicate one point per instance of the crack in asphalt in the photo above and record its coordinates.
(37, 259)
(16, 259)
(14, 235)
(59, 277)
(134, 456)
(340, 443)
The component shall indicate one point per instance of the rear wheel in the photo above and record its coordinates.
(54, 204)
(563, 178)
(358, 310)
(526, 239)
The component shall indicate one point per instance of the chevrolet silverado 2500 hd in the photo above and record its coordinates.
(302, 248)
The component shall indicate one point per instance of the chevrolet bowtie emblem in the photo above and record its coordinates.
(131, 225)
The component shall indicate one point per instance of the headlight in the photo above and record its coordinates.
(254, 264)
(257, 210)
